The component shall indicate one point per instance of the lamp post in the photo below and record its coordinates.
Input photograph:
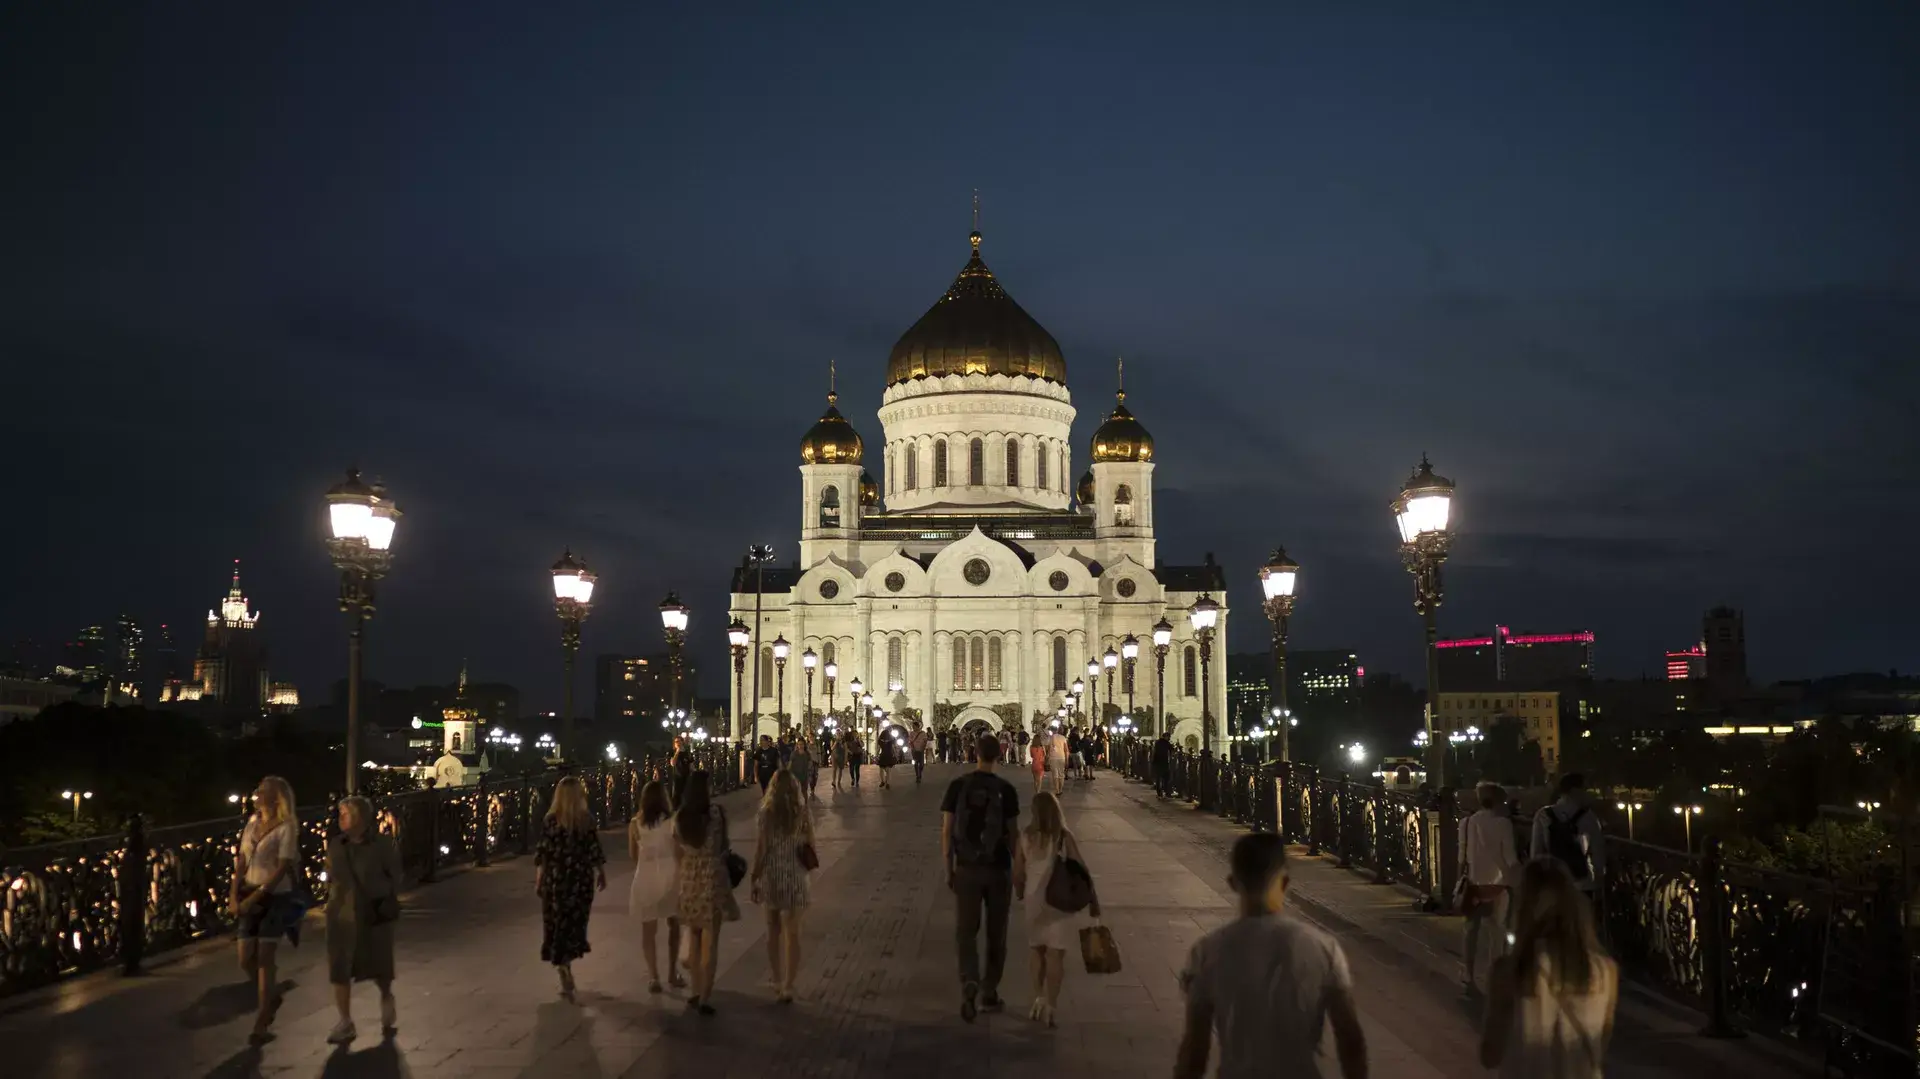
(1422, 511)
(673, 619)
(758, 556)
(1204, 614)
(572, 600)
(1079, 692)
(1631, 808)
(1277, 580)
(832, 674)
(77, 796)
(866, 706)
(1130, 653)
(808, 661)
(1111, 661)
(1162, 640)
(1687, 813)
(780, 650)
(361, 519)
(737, 637)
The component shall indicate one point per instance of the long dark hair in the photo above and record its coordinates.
(655, 806)
(1552, 922)
(696, 810)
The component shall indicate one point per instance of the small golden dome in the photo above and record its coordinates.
(869, 490)
(1122, 438)
(976, 329)
(832, 440)
(1084, 492)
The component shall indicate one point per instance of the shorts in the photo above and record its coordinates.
(271, 918)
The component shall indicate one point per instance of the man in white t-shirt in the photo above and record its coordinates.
(1489, 858)
(1267, 984)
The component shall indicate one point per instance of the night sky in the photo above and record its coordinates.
(1644, 285)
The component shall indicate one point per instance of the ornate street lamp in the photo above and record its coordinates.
(1129, 652)
(1162, 639)
(866, 706)
(673, 618)
(758, 556)
(780, 650)
(808, 661)
(1204, 614)
(1423, 513)
(1277, 580)
(361, 520)
(1110, 660)
(572, 601)
(737, 637)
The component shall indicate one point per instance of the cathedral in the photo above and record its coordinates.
(976, 581)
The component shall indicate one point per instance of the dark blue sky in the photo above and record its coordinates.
(1644, 285)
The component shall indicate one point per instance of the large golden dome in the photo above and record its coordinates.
(976, 329)
(1122, 438)
(831, 440)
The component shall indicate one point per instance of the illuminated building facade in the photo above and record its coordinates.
(1537, 710)
(1520, 659)
(231, 667)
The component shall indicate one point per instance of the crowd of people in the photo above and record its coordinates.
(1262, 988)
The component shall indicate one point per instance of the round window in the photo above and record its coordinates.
(977, 571)
(829, 588)
(895, 582)
(1058, 581)
(1125, 588)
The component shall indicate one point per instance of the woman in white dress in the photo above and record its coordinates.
(1550, 1008)
(1050, 931)
(1057, 761)
(656, 891)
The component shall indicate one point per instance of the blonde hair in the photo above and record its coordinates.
(1554, 924)
(1048, 821)
(282, 794)
(783, 806)
(569, 808)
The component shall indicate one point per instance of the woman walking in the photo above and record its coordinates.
(569, 867)
(888, 756)
(1550, 1009)
(781, 860)
(802, 766)
(1057, 761)
(1050, 930)
(363, 903)
(261, 897)
(655, 893)
(706, 893)
(838, 747)
(1037, 753)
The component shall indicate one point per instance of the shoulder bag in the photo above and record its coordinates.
(736, 865)
(1069, 886)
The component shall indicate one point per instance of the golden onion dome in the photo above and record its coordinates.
(976, 329)
(1121, 437)
(869, 490)
(1084, 492)
(831, 440)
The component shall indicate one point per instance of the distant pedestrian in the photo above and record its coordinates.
(1057, 761)
(262, 896)
(682, 762)
(838, 747)
(1050, 930)
(1569, 832)
(766, 761)
(706, 892)
(1487, 851)
(917, 745)
(655, 893)
(1162, 761)
(1076, 754)
(888, 756)
(1267, 984)
(783, 855)
(569, 867)
(856, 756)
(1550, 1010)
(363, 890)
(802, 766)
(980, 850)
(1037, 761)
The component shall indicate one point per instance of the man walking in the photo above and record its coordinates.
(1569, 831)
(980, 849)
(917, 745)
(1486, 845)
(1163, 765)
(766, 761)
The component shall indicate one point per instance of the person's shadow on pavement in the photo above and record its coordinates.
(225, 1003)
(381, 1061)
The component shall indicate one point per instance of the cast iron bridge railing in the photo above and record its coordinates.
(67, 908)
(1753, 949)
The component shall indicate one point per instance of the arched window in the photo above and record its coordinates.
(766, 671)
(977, 664)
(940, 463)
(826, 653)
(456, 741)
(1191, 680)
(1063, 470)
(959, 663)
(994, 679)
(830, 507)
(1060, 664)
(1123, 505)
(896, 675)
(913, 466)
(1040, 466)
(893, 477)
(1013, 462)
(976, 463)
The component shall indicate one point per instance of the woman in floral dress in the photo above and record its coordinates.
(779, 878)
(706, 895)
(568, 867)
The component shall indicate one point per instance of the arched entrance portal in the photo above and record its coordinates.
(972, 723)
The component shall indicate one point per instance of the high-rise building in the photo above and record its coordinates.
(1324, 681)
(129, 659)
(1723, 632)
(83, 659)
(232, 665)
(1688, 665)
(1249, 690)
(1520, 659)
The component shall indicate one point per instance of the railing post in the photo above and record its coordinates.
(1713, 943)
(132, 890)
(482, 824)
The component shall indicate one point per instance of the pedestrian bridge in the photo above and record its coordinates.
(877, 994)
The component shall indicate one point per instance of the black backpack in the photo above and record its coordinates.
(979, 821)
(1563, 842)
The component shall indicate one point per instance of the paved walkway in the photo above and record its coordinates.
(878, 992)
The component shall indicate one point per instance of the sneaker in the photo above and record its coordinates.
(343, 1032)
(991, 1002)
(968, 997)
(389, 1015)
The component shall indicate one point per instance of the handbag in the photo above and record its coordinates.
(809, 858)
(1098, 951)
(736, 865)
(1069, 886)
(386, 908)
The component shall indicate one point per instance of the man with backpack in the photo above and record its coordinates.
(1569, 831)
(980, 849)
(1163, 765)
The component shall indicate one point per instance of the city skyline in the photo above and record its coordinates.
(561, 310)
